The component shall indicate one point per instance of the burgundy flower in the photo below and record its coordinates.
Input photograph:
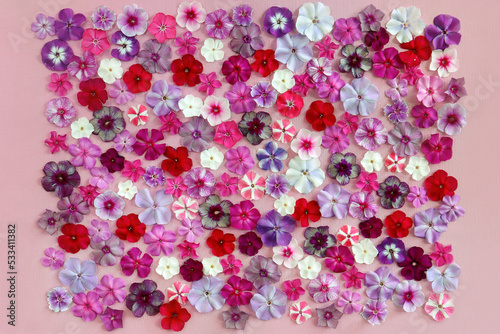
(249, 243)
(371, 228)
(112, 160)
(339, 258)
(146, 143)
(192, 270)
(415, 264)
(236, 68)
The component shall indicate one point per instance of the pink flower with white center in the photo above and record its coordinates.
(348, 235)
(216, 110)
(430, 90)
(300, 312)
(252, 186)
(178, 291)
(283, 131)
(307, 144)
(190, 15)
(185, 207)
(288, 255)
(444, 61)
(394, 163)
(138, 115)
(348, 300)
(439, 306)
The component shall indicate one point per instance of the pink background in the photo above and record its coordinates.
(23, 153)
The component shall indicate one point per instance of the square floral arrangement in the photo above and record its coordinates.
(252, 162)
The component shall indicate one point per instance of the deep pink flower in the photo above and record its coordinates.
(244, 216)
(425, 117)
(353, 278)
(95, 41)
(418, 196)
(326, 47)
(293, 289)
(188, 249)
(237, 291)
(437, 150)
(186, 44)
(227, 134)
(162, 27)
(209, 83)
(56, 142)
(348, 123)
(412, 74)
(160, 240)
(111, 290)
(367, 182)
(147, 144)
(133, 261)
(347, 31)
(430, 90)
(228, 185)
(239, 160)
(53, 258)
(59, 84)
(334, 139)
(231, 265)
(170, 123)
(303, 83)
(338, 258)
(236, 68)
(442, 254)
(175, 186)
(89, 193)
(133, 170)
(386, 63)
(190, 229)
(87, 306)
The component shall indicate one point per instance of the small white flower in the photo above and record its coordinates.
(364, 251)
(211, 158)
(285, 205)
(212, 50)
(444, 61)
(127, 189)
(404, 23)
(168, 267)
(289, 255)
(110, 70)
(418, 167)
(81, 128)
(372, 161)
(283, 80)
(309, 267)
(190, 105)
(211, 266)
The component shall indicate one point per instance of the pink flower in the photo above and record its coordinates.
(348, 300)
(186, 44)
(101, 177)
(188, 249)
(430, 90)
(133, 170)
(162, 27)
(175, 186)
(185, 207)
(353, 278)
(227, 134)
(228, 185)
(53, 258)
(190, 229)
(231, 265)
(386, 63)
(244, 216)
(418, 196)
(160, 241)
(324, 288)
(283, 130)
(437, 150)
(133, 261)
(412, 74)
(302, 84)
(444, 61)
(349, 123)
(87, 306)
(59, 84)
(362, 205)
(424, 117)
(190, 15)
(293, 289)
(170, 123)
(451, 118)
(367, 182)
(441, 254)
(439, 307)
(148, 144)
(111, 290)
(138, 115)
(209, 83)
(85, 154)
(307, 144)
(56, 142)
(95, 41)
(120, 93)
(239, 160)
(326, 47)
(89, 193)
(237, 291)
(216, 110)
(252, 186)
(335, 140)
(178, 291)
(347, 31)
(300, 312)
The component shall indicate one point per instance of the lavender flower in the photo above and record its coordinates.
(218, 24)
(360, 97)
(374, 312)
(80, 276)
(456, 89)
(59, 299)
(163, 98)
(277, 185)
(429, 225)
(246, 40)
(154, 176)
(155, 58)
(330, 88)
(398, 90)
(371, 134)
(269, 302)
(293, 51)
(264, 94)
(380, 284)
(196, 134)
(109, 206)
(397, 112)
(43, 26)
(240, 98)
(406, 139)
(205, 294)
(262, 271)
(333, 201)
(449, 210)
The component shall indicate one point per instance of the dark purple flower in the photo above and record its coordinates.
(270, 158)
(215, 212)
(56, 55)
(392, 192)
(196, 134)
(278, 21)
(264, 94)
(108, 122)
(380, 284)
(444, 32)
(318, 240)
(144, 298)
(343, 168)
(371, 228)
(249, 243)
(262, 271)
(60, 177)
(415, 264)
(128, 47)
(377, 39)
(240, 98)
(397, 112)
(68, 25)
(73, 208)
(218, 24)
(406, 139)
(275, 230)
(133, 261)
(112, 160)
(246, 40)
(328, 316)
(256, 126)
(356, 60)
(242, 15)
(390, 250)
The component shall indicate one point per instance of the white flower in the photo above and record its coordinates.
(283, 80)
(81, 128)
(418, 167)
(211, 266)
(212, 50)
(190, 105)
(285, 205)
(314, 21)
(305, 175)
(168, 267)
(404, 22)
(211, 158)
(309, 267)
(127, 189)
(444, 61)
(110, 70)
(372, 161)
(289, 255)
(364, 251)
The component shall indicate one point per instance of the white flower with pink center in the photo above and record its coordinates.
(190, 15)
(307, 144)
(216, 110)
(444, 61)
(289, 255)
(300, 312)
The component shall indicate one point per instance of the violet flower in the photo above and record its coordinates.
(374, 312)
(84, 154)
(196, 134)
(397, 112)
(262, 271)
(200, 182)
(406, 139)
(447, 280)
(154, 176)
(218, 24)
(68, 25)
(80, 276)
(112, 318)
(449, 210)
(278, 21)
(43, 26)
(277, 185)
(128, 47)
(190, 229)
(240, 98)
(330, 88)
(335, 139)
(144, 298)
(99, 230)
(347, 31)
(106, 251)
(269, 302)
(333, 201)
(275, 230)
(444, 32)
(270, 158)
(429, 225)
(155, 57)
(246, 40)
(264, 94)
(60, 178)
(456, 89)
(242, 15)
(390, 250)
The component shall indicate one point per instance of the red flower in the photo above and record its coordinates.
(419, 49)
(177, 161)
(137, 79)
(305, 211)
(398, 225)
(290, 104)
(186, 71)
(439, 185)
(74, 238)
(93, 94)
(175, 316)
(220, 243)
(320, 115)
(130, 228)
(264, 62)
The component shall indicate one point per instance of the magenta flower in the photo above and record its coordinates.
(175, 186)
(186, 44)
(334, 139)
(367, 182)
(112, 318)
(73, 208)
(240, 98)
(362, 205)
(89, 193)
(209, 83)
(87, 306)
(348, 123)
(386, 63)
(239, 160)
(43, 26)
(237, 291)
(147, 144)
(412, 74)
(326, 47)
(330, 88)
(133, 170)
(353, 278)
(56, 142)
(200, 183)
(133, 261)
(99, 230)
(303, 83)
(408, 295)
(133, 21)
(59, 84)
(293, 289)
(324, 288)
(451, 118)
(425, 117)
(442, 254)
(236, 68)
(456, 89)
(228, 134)
(371, 134)
(109, 205)
(53, 258)
(218, 24)
(349, 301)
(85, 154)
(190, 15)
(228, 185)
(246, 40)
(347, 31)
(188, 249)
(160, 240)
(430, 90)
(437, 150)
(338, 258)
(231, 265)
(244, 216)
(111, 290)
(418, 196)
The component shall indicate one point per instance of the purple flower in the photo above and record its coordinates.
(429, 225)
(53, 258)
(356, 60)
(84, 67)
(218, 24)
(43, 26)
(278, 21)
(60, 177)
(59, 299)
(333, 201)
(380, 284)
(397, 112)
(360, 97)
(68, 25)
(277, 185)
(335, 140)
(103, 18)
(245, 40)
(392, 192)
(456, 89)
(408, 295)
(406, 139)
(324, 288)
(84, 154)
(293, 51)
(269, 302)
(108, 122)
(398, 90)
(111, 290)
(242, 15)
(109, 205)
(374, 312)
(390, 250)
(235, 318)
(270, 158)
(318, 240)
(160, 240)
(275, 230)
(101, 177)
(200, 182)
(451, 118)
(328, 316)
(262, 271)
(255, 126)
(50, 221)
(80, 276)
(249, 243)
(264, 94)
(370, 18)
(449, 210)
(425, 117)
(196, 134)
(112, 318)
(99, 230)
(144, 298)
(348, 300)
(239, 160)
(128, 47)
(444, 32)
(240, 98)
(343, 167)
(155, 209)
(189, 229)
(215, 212)
(362, 205)
(133, 261)
(73, 208)
(205, 294)
(133, 21)
(155, 58)
(330, 88)
(186, 44)
(347, 31)
(106, 251)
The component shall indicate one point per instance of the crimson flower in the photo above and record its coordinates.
(177, 161)
(137, 79)
(92, 94)
(264, 63)
(320, 115)
(419, 49)
(338, 258)
(130, 228)
(398, 225)
(236, 68)
(175, 316)
(439, 185)
(186, 71)
(305, 211)
(415, 264)
(221, 243)
(147, 144)
(74, 238)
(290, 104)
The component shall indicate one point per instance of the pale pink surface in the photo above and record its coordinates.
(24, 128)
